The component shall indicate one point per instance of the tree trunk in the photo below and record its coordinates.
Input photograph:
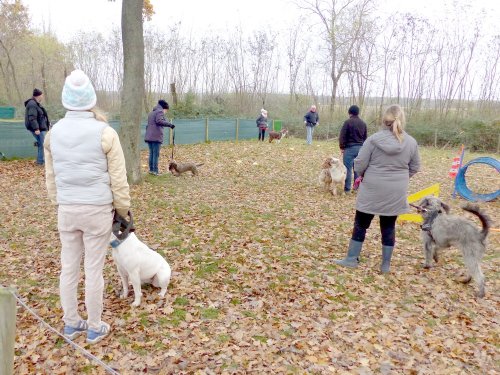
(133, 87)
(13, 72)
(174, 93)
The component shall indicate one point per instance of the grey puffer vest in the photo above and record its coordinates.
(80, 165)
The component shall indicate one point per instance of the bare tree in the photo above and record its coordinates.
(490, 86)
(14, 26)
(296, 56)
(344, 25)
(261, 50)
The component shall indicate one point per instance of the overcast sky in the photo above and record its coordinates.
(66, 17)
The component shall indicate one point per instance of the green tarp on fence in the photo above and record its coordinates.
(7, 112)
(17, 142)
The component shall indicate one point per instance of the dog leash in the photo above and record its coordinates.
(173, 143)
(418, 207)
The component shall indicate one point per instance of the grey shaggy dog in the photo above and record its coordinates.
(179, 168)
(451, 230)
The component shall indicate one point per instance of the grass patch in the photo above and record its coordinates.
(144, 319)
(181, 301)
(223, 338)
(177, 316)
(210, 313)
(259, 338)
(249, 314)
(207, 269)
(87, 369)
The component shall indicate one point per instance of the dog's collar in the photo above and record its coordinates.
(115, 243)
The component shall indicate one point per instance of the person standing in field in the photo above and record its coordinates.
(311, 120)
(154, 133)
(351, 138)
(37, 122)
(86, 179)
(386, 161)
(262, 124)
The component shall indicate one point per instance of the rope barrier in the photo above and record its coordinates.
(73, 344)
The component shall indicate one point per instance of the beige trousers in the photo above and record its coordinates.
(84, 230)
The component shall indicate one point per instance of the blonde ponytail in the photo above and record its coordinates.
(99, 116)
(394, 118)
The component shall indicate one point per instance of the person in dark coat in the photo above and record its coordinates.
(351, 138)
(262, 124)
(154, 133)
(37, 122)
(386, 161)
(311, 120)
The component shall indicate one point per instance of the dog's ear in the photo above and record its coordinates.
(327, 163)
(445, 207)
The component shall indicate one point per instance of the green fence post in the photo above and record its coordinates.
(237, 128)
(273, 125)
(206, 129)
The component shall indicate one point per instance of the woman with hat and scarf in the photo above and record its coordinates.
(154, 133)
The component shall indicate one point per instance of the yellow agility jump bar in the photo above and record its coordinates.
(417, 218)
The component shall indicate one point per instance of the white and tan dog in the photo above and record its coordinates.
(139, 264)
(333, 174)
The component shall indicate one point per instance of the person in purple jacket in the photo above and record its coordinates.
(154, 133)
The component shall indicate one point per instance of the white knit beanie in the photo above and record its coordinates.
(78, 94)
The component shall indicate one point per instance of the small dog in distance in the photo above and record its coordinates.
(333, 175)
(447, 230)
(179, 168)
(277, 135)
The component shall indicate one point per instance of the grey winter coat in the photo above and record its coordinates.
(386, 166)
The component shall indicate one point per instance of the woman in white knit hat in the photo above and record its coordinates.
(86, 179)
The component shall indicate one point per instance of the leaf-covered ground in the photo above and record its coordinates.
(251, 243)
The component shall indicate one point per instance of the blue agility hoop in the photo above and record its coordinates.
(461, 185)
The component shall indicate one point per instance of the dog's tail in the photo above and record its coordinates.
(199, 165)
(485, 220)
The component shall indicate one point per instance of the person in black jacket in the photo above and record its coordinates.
(37, 122)
(351, 138)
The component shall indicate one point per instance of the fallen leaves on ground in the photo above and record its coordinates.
(251, 243)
